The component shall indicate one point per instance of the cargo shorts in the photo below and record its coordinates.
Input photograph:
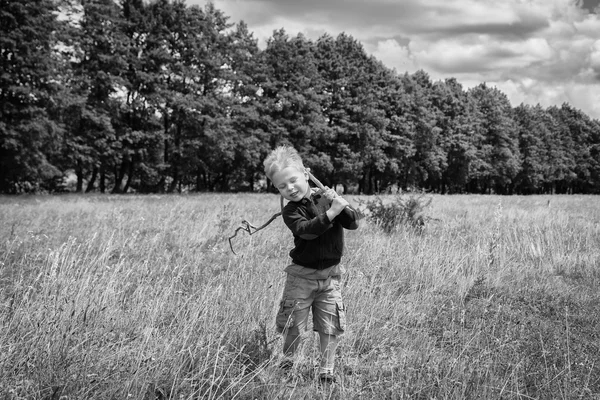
(323, 296)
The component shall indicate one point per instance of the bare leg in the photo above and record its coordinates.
(327, 344)
(290, 344)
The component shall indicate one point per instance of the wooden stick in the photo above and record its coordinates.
(320, 186)
(315, 180)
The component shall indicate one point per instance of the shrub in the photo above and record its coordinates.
(401, 210)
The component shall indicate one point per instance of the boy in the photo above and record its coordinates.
(313, 278)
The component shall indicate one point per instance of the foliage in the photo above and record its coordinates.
(29, 136)
(160, 96)
(402, 210)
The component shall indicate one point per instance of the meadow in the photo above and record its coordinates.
(140, 297)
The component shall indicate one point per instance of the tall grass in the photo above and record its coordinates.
(116, 297)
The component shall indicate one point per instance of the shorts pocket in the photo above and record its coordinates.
(285, 315)
(341, 316)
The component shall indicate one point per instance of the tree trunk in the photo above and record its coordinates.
(251, 180)
(79, 172)
(90, 185)
(175, 180)
(166, 151)
(160, 186)
(175, 161)
(129, 177)
(198, 179)
(119, 175)
(102, 179)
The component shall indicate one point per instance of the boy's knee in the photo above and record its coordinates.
(291, 343)
(328, 337)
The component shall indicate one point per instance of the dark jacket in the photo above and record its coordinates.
(318, 242)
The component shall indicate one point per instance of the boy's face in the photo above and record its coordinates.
(291, 183)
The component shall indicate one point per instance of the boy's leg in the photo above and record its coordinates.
(327, 345)
(292, 332)
(293, 312)
(290, 344)
(329, 320)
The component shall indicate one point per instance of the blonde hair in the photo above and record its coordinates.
(280, 158)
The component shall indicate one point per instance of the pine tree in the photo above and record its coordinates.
(246, 123)
(498, 151)
(456, 121)
(352, 91)
(533, 136)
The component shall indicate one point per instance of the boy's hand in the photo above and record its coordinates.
(338, 204)
(329, 194)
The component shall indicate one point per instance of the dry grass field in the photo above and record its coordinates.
(139, 297)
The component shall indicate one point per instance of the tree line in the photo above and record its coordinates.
(137, 96)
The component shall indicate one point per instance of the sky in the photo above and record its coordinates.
(534, 51)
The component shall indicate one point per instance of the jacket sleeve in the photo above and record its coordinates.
(348, 219)
(303, 227)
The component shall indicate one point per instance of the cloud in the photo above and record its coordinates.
(594, 61)
(483, 55)
(392, 53)
(536, 51)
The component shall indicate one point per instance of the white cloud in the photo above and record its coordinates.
(595, 56)
(394, 55)
(585, 98)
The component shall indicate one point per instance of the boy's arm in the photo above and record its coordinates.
(341, 211)
(348, 218)
(344, 214)
(303, 227)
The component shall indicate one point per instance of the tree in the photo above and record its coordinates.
(399, 144)
(457, 123)
(191, 49)
(28, 135)
(97, 49)
(533, 138)
(290, 99)
(578, 137)
(353, 85)
(429, 160)
(497, 152)
(595, 156)
(247, 124)
(136, 124)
